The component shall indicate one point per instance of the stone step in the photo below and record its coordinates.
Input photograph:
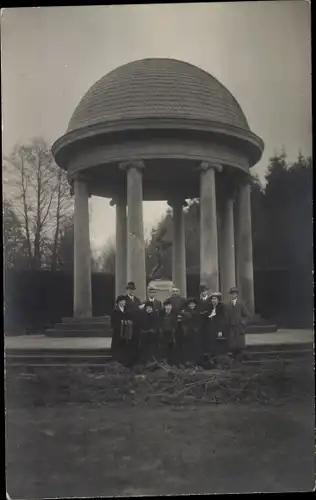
(297, 346)
(46, 352)
(59, 333)
(97, 325)
(93, 319)
(52, 360)
(253, 328)
(289, 354)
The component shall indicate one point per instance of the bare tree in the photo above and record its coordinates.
(39, 191)
(106, 260)
(14, 242)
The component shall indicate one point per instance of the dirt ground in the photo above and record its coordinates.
(69, 434)
(73, 452)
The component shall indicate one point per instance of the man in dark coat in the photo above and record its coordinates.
(237, 318)
(132, 307)
(178, 302)
(203, 304)
(203, 307)
(156, 304)
(132, 302)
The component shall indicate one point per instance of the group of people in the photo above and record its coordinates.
(179, 330)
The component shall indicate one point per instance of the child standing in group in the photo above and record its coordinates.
(167, 327)
(192, 332)
(148, 333)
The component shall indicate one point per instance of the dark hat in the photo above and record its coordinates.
(191, 299)
(131, 285)
(148, 303)
(202, 288)
(234, 289)
(167, 301)
(119, 298)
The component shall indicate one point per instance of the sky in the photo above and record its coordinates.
(261, 51)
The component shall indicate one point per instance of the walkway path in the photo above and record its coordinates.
(42, 342)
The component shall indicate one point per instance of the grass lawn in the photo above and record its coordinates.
(92, 449)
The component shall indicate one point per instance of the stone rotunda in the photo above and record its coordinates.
(162, 129)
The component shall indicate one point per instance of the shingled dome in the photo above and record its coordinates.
(167, 113)
(156, 88)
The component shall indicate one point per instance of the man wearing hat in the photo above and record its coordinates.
(178, 302)
(156, 304)
(203, 303)
(132, 302)
(237, 317)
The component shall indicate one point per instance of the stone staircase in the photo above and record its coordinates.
(261, 325)
(99, 326)
(96, 358)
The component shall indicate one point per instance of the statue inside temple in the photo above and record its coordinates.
(158, 271)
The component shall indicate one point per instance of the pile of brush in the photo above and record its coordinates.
(227, 381)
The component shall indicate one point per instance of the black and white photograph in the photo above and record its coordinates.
(157, 249)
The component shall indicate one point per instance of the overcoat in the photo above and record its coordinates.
(122, 335)
(192, 335)
(178, 303)
(132, 305)
(203, 307)
(157, 304)
(148, 336)
(167, 330)
(237, 318)
(216, 324)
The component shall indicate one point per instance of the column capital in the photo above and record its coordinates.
(204, 166)
(126, 165)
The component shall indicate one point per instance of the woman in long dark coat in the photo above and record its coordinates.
(192, 332)
(122, 345)
(167, 328)
(148, 344)
(216, 326)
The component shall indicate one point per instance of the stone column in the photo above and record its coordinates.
(82, 252)
(121, 244)
(179, 275)
(227, 246)
(209, 275)
(243, 242)
(136, 265)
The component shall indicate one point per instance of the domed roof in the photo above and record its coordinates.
(157, 88)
